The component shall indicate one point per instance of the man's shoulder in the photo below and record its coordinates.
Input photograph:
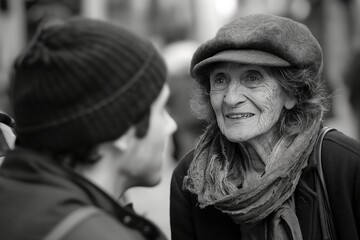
(101, 225)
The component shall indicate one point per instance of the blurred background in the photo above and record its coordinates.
(177, 27)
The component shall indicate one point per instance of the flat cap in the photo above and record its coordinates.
(260, 39)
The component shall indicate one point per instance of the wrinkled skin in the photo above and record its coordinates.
(247, 101)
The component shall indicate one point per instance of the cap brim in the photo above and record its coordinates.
(243, 56)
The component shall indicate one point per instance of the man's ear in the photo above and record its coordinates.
(126, 140)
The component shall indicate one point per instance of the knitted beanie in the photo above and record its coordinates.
(260, 39)
(81, 83)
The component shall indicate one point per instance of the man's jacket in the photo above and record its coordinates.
(36, 194)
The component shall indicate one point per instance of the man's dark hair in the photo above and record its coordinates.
(89, 155)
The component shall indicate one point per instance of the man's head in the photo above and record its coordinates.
(82, 83)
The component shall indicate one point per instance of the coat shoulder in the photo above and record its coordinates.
(337, 145)
(184, 163)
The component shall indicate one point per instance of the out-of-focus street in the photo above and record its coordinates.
(177, 28)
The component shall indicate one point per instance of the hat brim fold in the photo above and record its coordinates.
(243, 56)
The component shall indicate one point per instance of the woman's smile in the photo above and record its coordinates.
(239, 116)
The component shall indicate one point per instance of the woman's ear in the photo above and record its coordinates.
(290, 103)
(126, 140)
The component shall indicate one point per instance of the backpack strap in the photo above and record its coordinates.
(326, 219)
(71, 221)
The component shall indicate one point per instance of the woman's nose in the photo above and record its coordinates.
(235, 94)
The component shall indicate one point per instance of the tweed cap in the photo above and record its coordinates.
(83, 82)
(260, 39)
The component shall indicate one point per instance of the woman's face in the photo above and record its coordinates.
(247, 101)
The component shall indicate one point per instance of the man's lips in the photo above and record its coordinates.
(239, 115)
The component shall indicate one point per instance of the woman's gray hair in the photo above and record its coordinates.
(304, 85)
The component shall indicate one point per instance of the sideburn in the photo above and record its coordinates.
(143, 125)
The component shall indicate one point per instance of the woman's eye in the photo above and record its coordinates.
(219, 79)
(253, 77)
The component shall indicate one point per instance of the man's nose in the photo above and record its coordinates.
(171, 124)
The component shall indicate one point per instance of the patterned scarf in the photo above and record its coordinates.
(215, 163)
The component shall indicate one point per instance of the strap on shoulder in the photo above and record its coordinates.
(70, 222)
(326, 220)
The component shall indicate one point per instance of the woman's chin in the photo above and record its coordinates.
(236, 138)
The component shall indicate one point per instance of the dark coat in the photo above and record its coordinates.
(341, 164)
(36, 194)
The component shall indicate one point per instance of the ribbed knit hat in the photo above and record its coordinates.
(260, 39)
(83, 82)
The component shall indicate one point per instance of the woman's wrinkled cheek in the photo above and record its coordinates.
(269, 107)
(220, 119)
(221, 124)
(216, 104)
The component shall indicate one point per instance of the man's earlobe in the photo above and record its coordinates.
(123, 142)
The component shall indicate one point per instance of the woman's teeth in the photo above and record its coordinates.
(240, 115)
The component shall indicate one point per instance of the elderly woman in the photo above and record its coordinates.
(252, 175)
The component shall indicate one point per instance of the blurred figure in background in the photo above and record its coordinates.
(352, 81)
(177, 56)
(89, 102)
